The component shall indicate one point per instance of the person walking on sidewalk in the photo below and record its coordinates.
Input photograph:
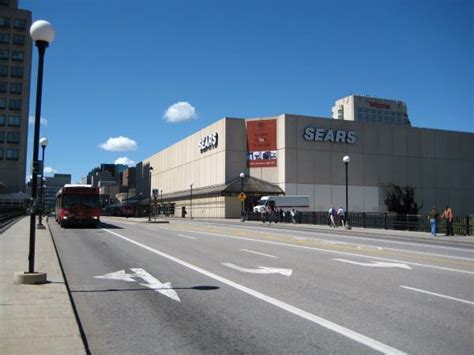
(340, 215)
(448, 217)
(433, 216)
(332, 216)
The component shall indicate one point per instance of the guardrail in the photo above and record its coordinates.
(378, 220)
(7, 218)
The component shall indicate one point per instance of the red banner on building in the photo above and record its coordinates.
(261, 143)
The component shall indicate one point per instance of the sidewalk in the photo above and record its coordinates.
(34, 319)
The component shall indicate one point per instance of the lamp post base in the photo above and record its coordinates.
(30, 278)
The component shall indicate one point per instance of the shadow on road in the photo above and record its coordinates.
(197, 288)
(108, 226)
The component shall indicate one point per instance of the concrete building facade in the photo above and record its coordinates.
(15, 73)
(371, 109)
(301, 155)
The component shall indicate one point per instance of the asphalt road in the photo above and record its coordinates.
(196, 287)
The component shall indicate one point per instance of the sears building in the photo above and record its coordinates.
(301, 155)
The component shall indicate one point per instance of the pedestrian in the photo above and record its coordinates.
(433, 219)
(448, 217)
(340, 214)
(293, 216)
(332, 216)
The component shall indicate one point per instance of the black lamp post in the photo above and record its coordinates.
(346, 159)
(191, 207)
(43, 143)
(162, 206)
(42, 34)
(150, 169)
(242, 218)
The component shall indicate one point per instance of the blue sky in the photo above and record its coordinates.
(117, 66)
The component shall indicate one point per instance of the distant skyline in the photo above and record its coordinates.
(123, 82)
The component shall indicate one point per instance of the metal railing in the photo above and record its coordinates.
(462, 225)
(8, 217)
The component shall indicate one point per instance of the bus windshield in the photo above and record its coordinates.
(262, 202)
(89, 201)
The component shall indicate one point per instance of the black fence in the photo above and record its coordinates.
(377, 220)
(9, 215)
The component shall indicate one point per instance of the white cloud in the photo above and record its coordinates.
(43, 120)
(119, 144)
(125, 161)
(49, 170)
(179, 112)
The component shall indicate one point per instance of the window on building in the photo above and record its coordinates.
(5, 38)
(1, 154)
(3, 70)
(14, 121)
(15, 104)
(2, 120)
(4, 54)
(4, 22)
(16, 72)
(12, 154)
(18, 56)
(16, 88)
(3, 86)
(5, 2)
(19, 24)
(13, 137)
(2, 136)
(19, 40)
(3, 104)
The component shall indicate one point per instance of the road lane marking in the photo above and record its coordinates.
(151, 281)
(340, 235)
(376, 264)
(186, 236)
(437, 294)
(261, 270)
(256, 252)
(332, 251)
(360, 338)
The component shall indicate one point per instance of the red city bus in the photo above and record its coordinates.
(78, 204)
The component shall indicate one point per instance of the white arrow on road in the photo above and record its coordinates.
(261, 270)
(376, 264)
(118, 275)
(151, 281)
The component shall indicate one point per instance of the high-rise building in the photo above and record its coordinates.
(371, 109)
(15, 72)
(52, 186)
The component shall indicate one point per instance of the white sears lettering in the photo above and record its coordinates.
(319, 134)
(208, 142)
(329, 135)
(309, 133)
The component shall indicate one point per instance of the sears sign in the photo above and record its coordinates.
(208, 142)
(329, 135)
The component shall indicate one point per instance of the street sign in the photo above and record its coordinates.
(155, 192)
(242, 196)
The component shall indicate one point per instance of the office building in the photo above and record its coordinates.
(15, 72)
(52, 186)
(371, 109)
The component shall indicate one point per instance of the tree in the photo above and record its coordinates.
(401, 200)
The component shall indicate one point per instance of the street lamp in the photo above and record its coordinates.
(191, 207)
(150, 169)
(162, 206)
(43, 143)
(347, 159)
(42, 34)
(242, 175)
